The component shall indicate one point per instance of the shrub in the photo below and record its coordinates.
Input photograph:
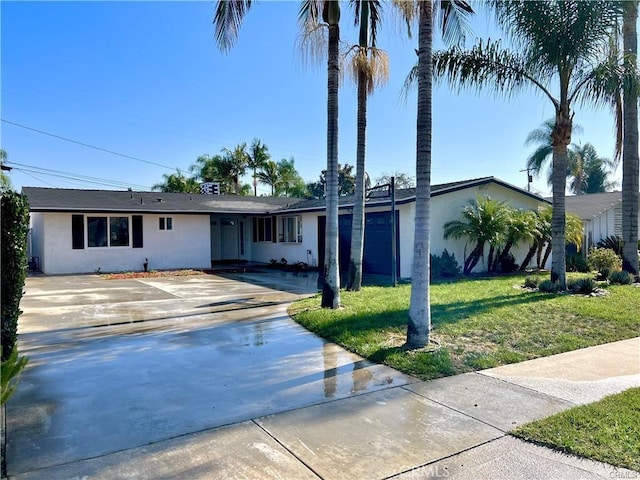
(612, 242)
(584, 286)
(508, 264)
(445, 266)
(531, 282)
(547, 286)
(11, 368)
(621, 278)
(577, 263)
(604, 261)
(13, 246)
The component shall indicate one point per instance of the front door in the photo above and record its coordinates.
(229, 238)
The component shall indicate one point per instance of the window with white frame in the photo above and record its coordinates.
(165, 223)
(290, 229)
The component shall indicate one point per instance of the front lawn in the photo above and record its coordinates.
(608, 430)
(480, 323)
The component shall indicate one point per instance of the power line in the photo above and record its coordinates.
(38, 179)
(75, 177)
(87, 145)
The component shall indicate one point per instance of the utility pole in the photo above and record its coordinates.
(529, 178)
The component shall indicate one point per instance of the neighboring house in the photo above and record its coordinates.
(601, 215)
(81, 231)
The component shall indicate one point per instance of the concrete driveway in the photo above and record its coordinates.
(120, 364)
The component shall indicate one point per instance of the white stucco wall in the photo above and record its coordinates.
(448, 207)
(292, 252)
(187, 245)
(36, 221)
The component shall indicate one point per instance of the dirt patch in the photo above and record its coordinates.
(152, 274)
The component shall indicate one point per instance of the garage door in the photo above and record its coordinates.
(377, 242)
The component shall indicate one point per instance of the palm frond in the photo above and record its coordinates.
(555, 34)
(372, 62)
(313, 37)
(227, 21)
(453, 18)
(486, 65)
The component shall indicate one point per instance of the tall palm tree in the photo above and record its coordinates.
(630, 161)
(554, 40)
(227, 20)
(541, 138)
(484, 221)
(257, 156)
(587, 171)
(369, 68)
(452, 19)
(236, 161)
(268, 175)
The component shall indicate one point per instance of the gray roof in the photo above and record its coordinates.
(591, 205)
(405, 195)
(74, 200)
(68, 200)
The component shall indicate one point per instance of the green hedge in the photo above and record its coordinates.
(13, 246)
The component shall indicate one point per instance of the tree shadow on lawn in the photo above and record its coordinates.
(441, 314)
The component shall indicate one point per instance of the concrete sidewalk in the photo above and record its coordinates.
(453, 427)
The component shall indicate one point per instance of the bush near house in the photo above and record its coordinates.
(15, 228)
(445, 266)
(604, 261)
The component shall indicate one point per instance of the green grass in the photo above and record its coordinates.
(480, 323)
(608, 430)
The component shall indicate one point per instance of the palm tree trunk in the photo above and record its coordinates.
(354, 280)
(473, 258)
(530, 254)
(630, 161)
(419, 323)
(547, 252)
(331, 286)
(491, 264)
(561, 138)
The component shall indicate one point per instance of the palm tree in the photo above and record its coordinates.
(236, 161)
(369, 69)
(452, 19)
(227, 20)
(178, 183)
(560, 40)
(587, 171)
(268, 175)
(485, 221)
(257, 156)
(210, 168)
(541, 138)
(522, 225)
(630, 161)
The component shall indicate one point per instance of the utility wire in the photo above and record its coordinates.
(79, 177)
(38, 179)
(87, 145)
(96, 181)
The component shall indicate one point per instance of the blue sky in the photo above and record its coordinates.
(146, 79)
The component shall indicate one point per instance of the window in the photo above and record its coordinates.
(263, 229)
(117, 234)
(97, 231)
(166, 223)
(119, 231)
(290, 230)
